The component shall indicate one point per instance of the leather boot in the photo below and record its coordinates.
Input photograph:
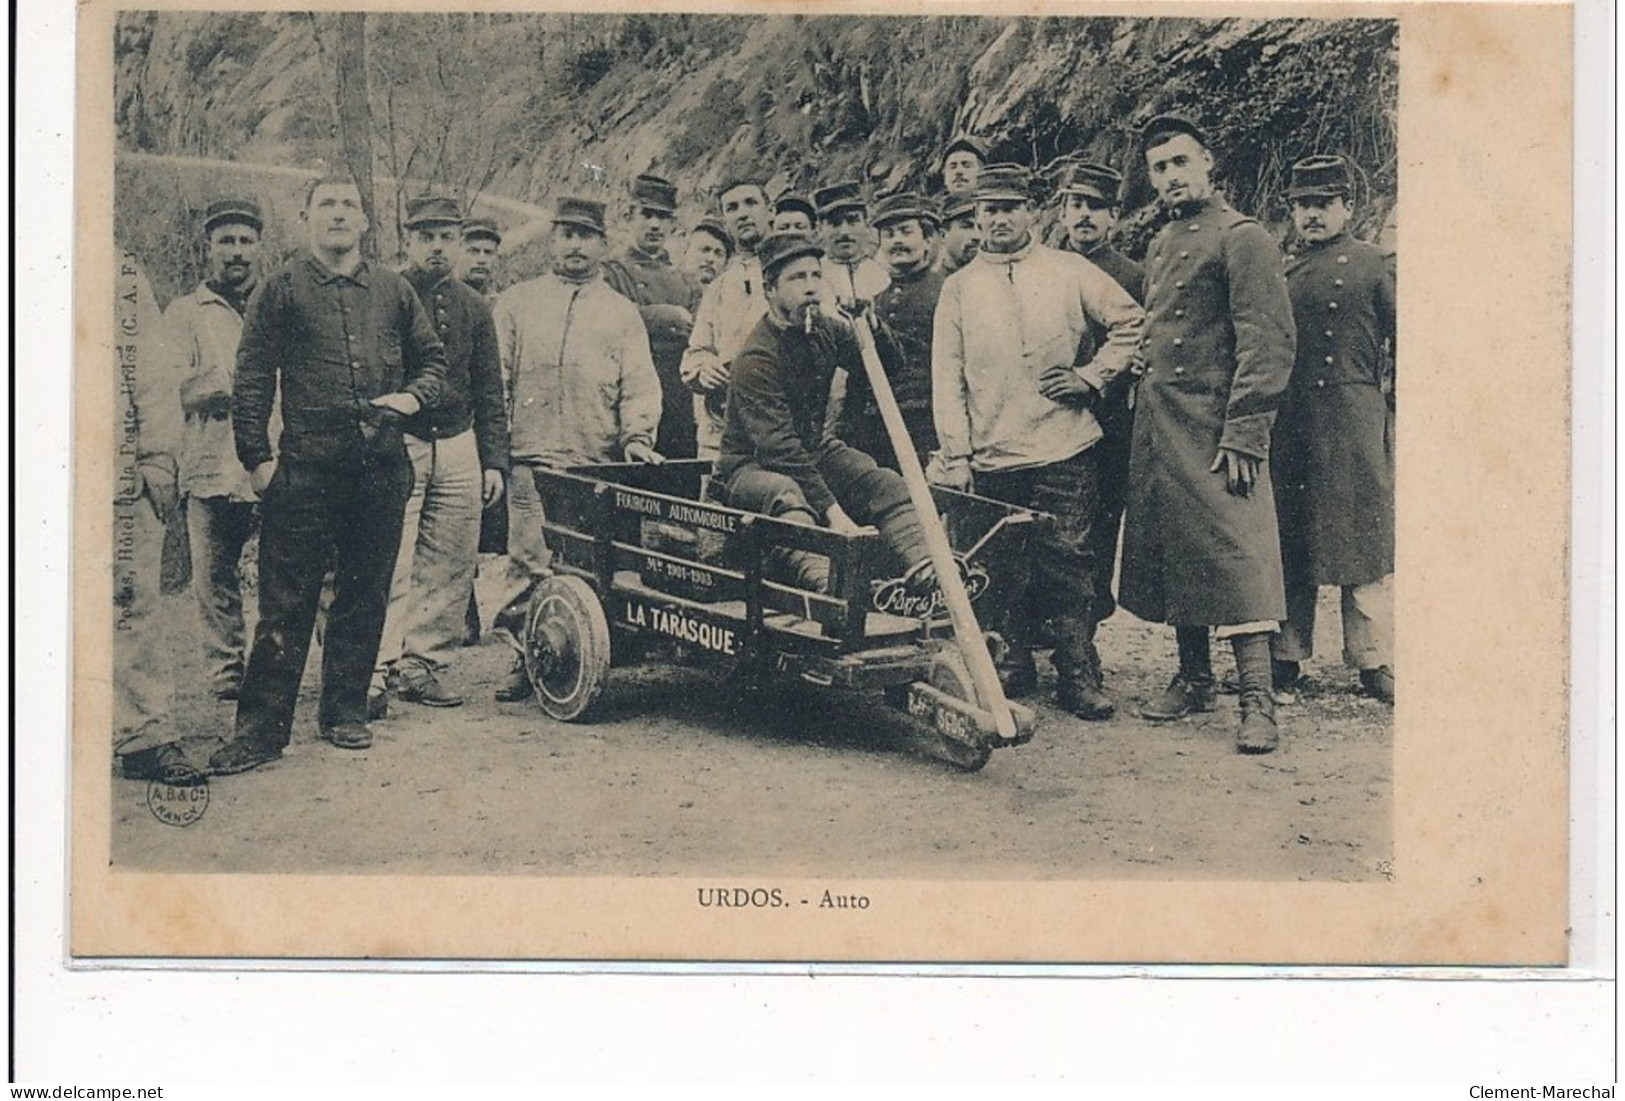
(1192, 688)
(1258, 732)
(517, 686)
(1018, 673)
(1082, 690)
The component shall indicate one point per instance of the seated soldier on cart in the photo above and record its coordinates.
(779, 456)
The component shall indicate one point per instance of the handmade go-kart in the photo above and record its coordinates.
(640, 556)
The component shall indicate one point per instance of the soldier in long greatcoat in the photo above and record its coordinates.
(1200, 544)
(1333, 459)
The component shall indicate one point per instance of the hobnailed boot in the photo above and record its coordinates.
(1254, 673)
(1018, 673)
(1258, 732)
(1082, 690)
(1192, 688)
(1185, 695)
(517, 687)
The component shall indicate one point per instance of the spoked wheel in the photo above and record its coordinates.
(950, 676)
(566, 647)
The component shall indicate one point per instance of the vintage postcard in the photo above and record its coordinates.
(852, 482)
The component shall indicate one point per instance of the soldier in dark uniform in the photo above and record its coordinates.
(1333, 459)
(1200, 545)
(778, 457)
(1088, 195)
(349, 350)
(907, 225)
(477, 263)
(665, 298)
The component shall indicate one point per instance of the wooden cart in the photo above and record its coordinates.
(641, 556)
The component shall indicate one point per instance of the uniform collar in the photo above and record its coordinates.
(422, 281)
(208, 296)
(912, 275)
(1303, 247)
(638, 256)
(1196, 207)
(361, 277)
(1015, 257)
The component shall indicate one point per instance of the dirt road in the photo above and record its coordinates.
(677, 777)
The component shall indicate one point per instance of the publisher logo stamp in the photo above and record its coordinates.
(180, 798)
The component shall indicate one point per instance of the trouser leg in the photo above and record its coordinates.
(1368, 624)
(528, 556)
(218, 528)
(752, 489)
(1117, 422)
(297, 525)
(1067, 569)
(365, 552)
(448, 540)
(143, 684)
(1195, 654)
(1296, 640)
(420, 453)
(875, 495)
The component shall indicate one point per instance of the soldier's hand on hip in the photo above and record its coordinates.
(491, 488)
(401, 402)
(1240, 471)
(1065, 387)
(260, 477)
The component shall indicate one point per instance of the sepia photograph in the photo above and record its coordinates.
(738, 461)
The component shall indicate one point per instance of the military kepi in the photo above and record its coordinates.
(779, 249)
(841, 196)
(794, 200)
(903, 206)
(1322, 177)
(238, 211)
(1160, 128)
(482, 227)
(1096, 181)
(433, 210)
(717, 230)
(967, 143)
(655, 193)
(1004, 181)
(585, 213)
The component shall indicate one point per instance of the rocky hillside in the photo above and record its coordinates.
(529, 105)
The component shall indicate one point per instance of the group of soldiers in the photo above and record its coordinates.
(1221, 412)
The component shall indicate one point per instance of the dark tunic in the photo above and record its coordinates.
(778, 401)
(1218, 348)
(474, 395)
(330, 343)
(906, 311)
(1333, 458)
(651, 282)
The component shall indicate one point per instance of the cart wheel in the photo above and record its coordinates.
(950, 676)
(566, 647)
